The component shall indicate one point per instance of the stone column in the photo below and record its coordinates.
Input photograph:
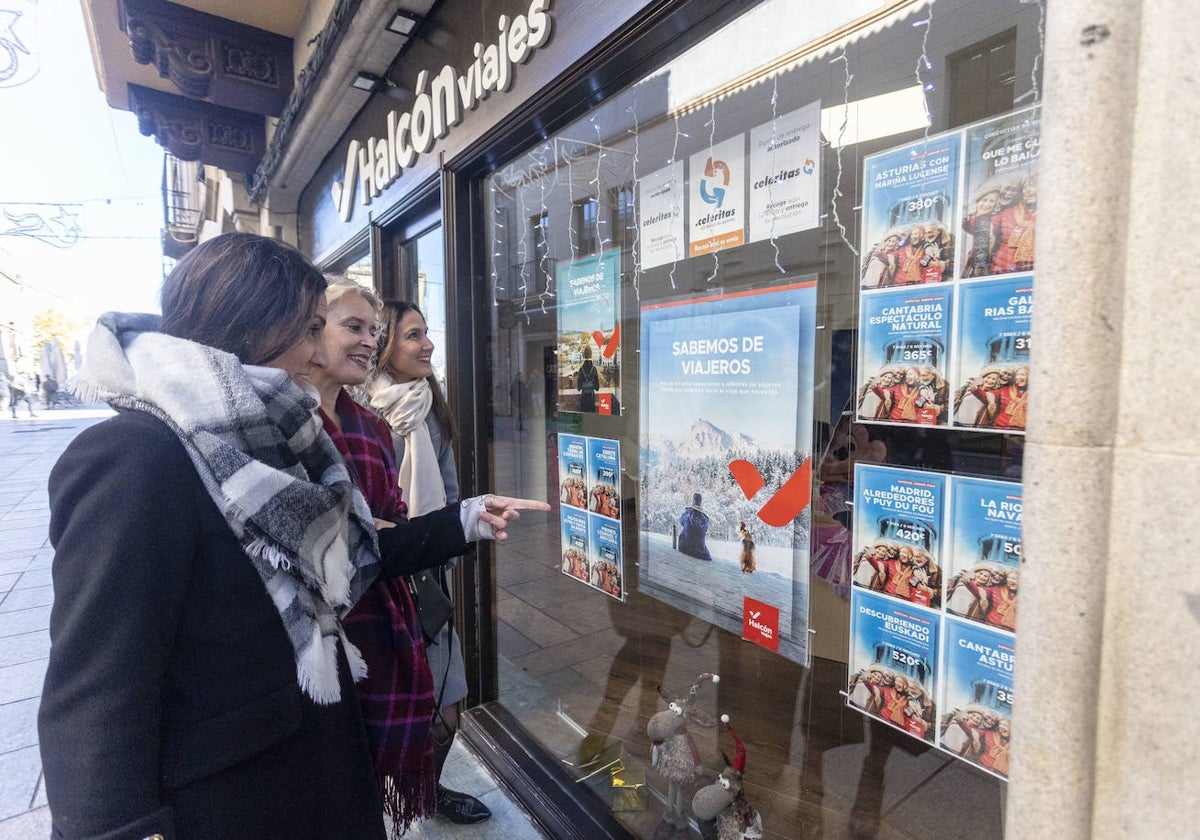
(1106, 735)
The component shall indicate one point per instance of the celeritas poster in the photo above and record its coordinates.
(717, 197)
(726, 453)
(991, 383)
(903, 339)
(785, 174)
(589, 334)
(661, 235)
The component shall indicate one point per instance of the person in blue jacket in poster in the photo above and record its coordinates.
(693, 530)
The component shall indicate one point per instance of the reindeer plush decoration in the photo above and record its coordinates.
(674, 752)
(726, 801)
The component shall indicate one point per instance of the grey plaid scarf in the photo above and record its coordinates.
(269, 466)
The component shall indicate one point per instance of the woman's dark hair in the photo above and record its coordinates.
(393, 312)
(245, 294)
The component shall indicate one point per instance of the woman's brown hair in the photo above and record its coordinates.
(393, 312)
(242, 293)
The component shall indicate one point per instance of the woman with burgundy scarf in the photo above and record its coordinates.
(396, 696)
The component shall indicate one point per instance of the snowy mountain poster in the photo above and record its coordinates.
(726, 455)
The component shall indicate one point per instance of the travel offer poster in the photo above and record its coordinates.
(991, 380)
(785, 174)
(898, 533)
(572, 471)
(661, 235)
(999, 202)
(983, 575)
(604, 477)
(589, 334)
(977, 700)
(893, 662)
(575, 555)
(717, 197)
(909, 197)
(726, 455)
(604, 548)
(902, 358)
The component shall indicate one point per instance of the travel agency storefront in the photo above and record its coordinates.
(746, 291)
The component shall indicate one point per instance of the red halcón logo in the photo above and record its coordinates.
(609, 346)
(760, 623)
(785, 503)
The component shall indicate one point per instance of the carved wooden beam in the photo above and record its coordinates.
(194, 130)
(210, 57)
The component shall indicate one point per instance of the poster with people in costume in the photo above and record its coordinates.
(977, 699)
(999, 210)
(991, 378)
(726, 455)
(589, 334)
(904, 335)
(893, 662)
(898, 528)
(589, 472)
(984, 573)
(909, 200)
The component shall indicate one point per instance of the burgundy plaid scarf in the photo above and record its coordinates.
(396, 696)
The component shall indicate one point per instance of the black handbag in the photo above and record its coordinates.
(434, 606)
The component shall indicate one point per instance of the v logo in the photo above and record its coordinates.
(610, 347)
(787, 502)
(755, 614)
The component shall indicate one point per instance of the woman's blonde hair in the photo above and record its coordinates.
(337, 285)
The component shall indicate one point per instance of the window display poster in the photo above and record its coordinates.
(589, 472)
(661, 237)
(992, 378)
(589, 334)
(976, 722)
(898, 532)
(1000, 197)
(717, 197)
(785, 174)
(575, 555)
(985, 558)
(893, 662)
(909, 196)
(903, 335)
(726, 459)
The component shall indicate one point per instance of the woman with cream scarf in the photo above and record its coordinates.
(406, 394)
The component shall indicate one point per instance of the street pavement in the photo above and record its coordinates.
(29, 448)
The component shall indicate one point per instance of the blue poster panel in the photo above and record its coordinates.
(604, 543)
(999, 207)
(572, 471)
(903, 364)
(898, 534)
(726, 455)
(604, 477)
(984, 570)
(976, 722)
(991, 377)
(893, 662)
(589, 334)
(576, 560)
(909, 199)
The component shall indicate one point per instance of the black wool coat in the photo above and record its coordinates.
(171, 704)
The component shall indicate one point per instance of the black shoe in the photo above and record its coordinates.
(461, 808)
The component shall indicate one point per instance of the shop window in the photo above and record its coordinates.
(783, 328)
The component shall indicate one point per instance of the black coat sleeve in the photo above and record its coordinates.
(124, 541)
(422, 542)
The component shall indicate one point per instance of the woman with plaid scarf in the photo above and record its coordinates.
(208, 541)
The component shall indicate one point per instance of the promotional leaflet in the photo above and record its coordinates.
(785, 174)
(661, 236)
(589, 334)
(589, 471)
(717, 197)
(991, 380)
